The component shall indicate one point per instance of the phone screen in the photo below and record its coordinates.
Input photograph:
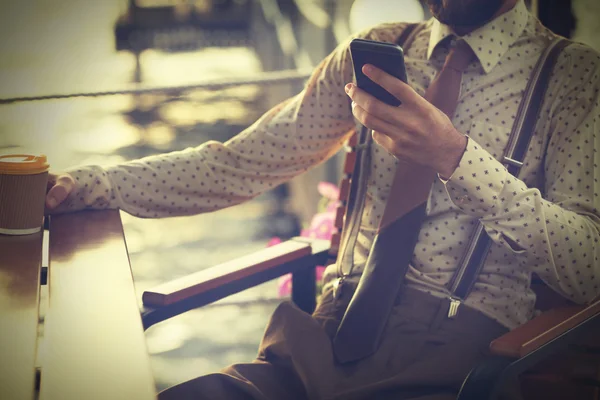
(385, 56)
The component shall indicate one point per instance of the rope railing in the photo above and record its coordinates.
(265, 78)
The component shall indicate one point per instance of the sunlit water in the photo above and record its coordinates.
(65, 46)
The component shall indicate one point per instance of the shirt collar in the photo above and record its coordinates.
(489, 42)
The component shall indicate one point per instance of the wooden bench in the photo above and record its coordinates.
(93, 345)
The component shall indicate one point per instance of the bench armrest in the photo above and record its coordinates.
(211, 278)
(298, 256)
(543, 329)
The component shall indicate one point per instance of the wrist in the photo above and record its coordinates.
(452, 156)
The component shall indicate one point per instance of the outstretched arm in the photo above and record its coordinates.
(290, 138)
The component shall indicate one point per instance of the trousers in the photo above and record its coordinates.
(423, 355)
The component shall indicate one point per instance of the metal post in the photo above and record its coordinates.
(304, 289)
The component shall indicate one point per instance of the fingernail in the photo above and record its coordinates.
(51, 201)
(348, 87)
(367, 69)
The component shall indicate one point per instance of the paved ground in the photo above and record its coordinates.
(207, 339)
(68, 45)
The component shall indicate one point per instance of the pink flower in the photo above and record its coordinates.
(273, 241)
(284, 288)
(321, 227)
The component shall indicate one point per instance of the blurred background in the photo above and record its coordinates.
(120, 80)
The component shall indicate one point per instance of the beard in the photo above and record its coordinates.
(464, 12)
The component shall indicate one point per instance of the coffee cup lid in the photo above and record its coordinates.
(23, 164)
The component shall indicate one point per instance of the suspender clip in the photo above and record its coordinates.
(512, 162)
(454, 304)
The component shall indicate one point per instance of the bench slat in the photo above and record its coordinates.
(94, 345)
(202, 281)
(549, 325)
(20, 264)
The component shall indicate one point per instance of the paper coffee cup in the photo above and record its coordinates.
(23, 180)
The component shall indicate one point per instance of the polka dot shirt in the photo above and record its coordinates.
(545, 220)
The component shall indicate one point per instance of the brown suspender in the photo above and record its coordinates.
(474, 257)
(522, 131)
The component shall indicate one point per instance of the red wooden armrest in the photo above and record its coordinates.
(541, 330)
(211, 278)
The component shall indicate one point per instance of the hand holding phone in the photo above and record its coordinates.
(385, 56)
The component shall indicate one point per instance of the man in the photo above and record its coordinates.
(545, 221)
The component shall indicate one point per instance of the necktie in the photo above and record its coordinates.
(363, 323)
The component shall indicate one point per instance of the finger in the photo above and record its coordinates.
(403, 117)
(395, 86)
(373, 105)
(401, 131)
(384, 141)
(59, 192)
(401, 152)
(373, 122)
(387, 143)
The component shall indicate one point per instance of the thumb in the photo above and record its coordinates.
(384, 141)
(59, 192)
(55, 196)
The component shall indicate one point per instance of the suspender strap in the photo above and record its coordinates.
(522, 131)
(533, 98)
(358, 183)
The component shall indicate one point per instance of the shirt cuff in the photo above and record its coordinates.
(477, 182)
(446, 180)
(93, 190)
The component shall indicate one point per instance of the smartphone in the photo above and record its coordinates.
(388, 57)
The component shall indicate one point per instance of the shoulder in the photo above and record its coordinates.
(576, 62)
(574, 85)
(578, 67)
(579, 55)
(386, 32)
